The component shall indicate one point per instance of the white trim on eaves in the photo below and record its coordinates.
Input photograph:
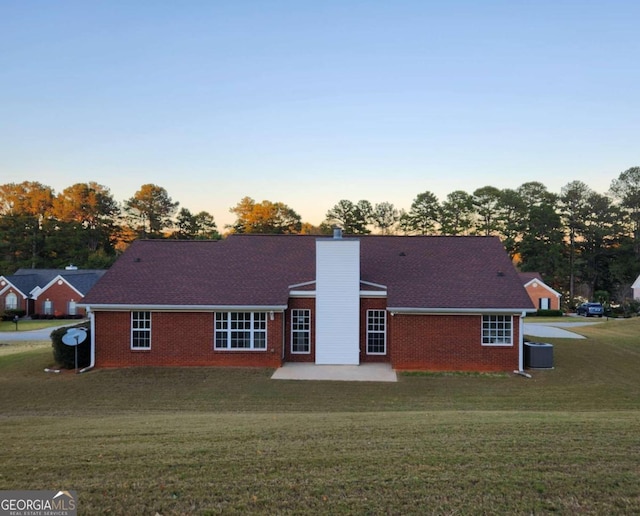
(457, 311)
(182, 308)
(543, 285)
(36, 293)
(363, 293)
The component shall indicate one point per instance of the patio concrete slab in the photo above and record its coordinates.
(341, 373)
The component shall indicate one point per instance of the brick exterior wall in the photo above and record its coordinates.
(309, 304)
(60, 295)
(367, 303)
(178, 339)
(414, 342)
(300, 304)
(538, 292)
(447, 343)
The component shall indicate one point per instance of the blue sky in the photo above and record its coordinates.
(308, 102)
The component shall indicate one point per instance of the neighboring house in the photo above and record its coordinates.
(422, 303)
(636, 288)
(47, 292)
(542, 295)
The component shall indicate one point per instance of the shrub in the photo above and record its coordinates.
(8, 315)
(628, 308)
(548, 313)
(64, 355)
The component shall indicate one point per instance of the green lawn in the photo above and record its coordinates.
(211, 440)
(36, 324)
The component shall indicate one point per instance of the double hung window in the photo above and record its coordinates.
(241, 330)
(300, 331)
(140, 330)
(376, 332)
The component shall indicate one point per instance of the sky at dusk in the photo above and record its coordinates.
(310, 102)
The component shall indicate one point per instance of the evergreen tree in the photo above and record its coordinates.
(150, 211)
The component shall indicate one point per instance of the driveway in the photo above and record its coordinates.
(559, 330)
(43, 334)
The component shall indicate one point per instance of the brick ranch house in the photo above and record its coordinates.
(417, 303)
(47, 292)
(542, 295)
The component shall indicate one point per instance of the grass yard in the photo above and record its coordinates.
(225, 441)
(35, 324)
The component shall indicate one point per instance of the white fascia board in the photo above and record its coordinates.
(302, 293)
(53, 282)
(636, 283)
(373, 293)
(457, 311)
(363, 293)
(183, 308)
(305, 284)
(543, 285)
(11, 285)
(7, 284)
(371, 284)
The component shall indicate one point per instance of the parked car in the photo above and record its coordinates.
(590, 309)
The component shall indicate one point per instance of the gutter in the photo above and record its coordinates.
(456, 311)
(182, 308)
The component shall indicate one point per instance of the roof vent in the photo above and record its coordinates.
(337, 233)
(403, 253)
(137, 260)
(500, 273)
(71, 267)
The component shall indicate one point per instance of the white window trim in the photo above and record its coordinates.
(148, 330)
(307, 331)
(384, 332)
(497, 344)
(252, 331)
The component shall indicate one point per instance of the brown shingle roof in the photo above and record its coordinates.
(526, 277)
(257, 270)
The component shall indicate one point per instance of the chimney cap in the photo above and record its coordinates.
(337, 232)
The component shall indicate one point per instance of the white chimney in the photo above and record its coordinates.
(338, 300)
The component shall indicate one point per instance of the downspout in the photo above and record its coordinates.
(284, 336)
(92, 362)
(521, 343)
(521, 370)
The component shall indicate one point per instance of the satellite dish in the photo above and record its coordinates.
(74, 336)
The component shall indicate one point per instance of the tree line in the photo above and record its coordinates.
(584, 243)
